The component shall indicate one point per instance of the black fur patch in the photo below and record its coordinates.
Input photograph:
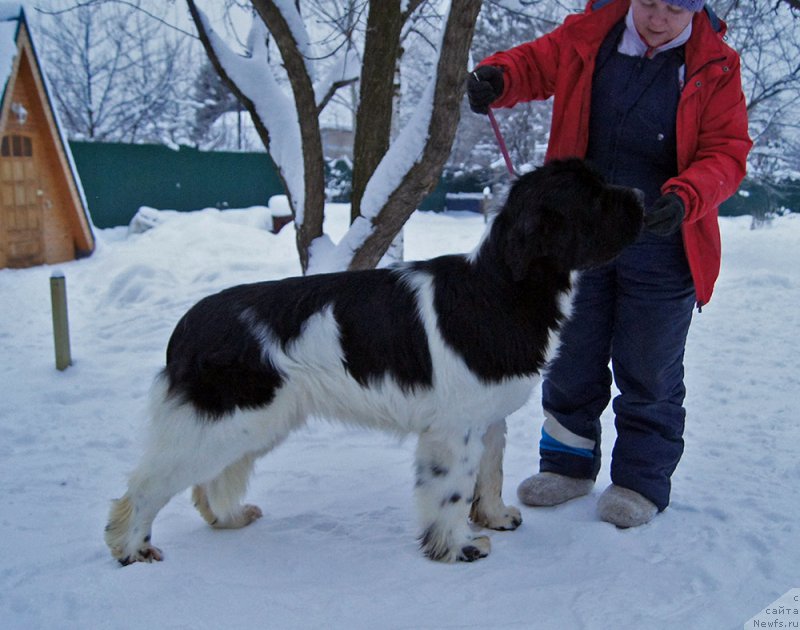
(426, 539)
(439, 471)
(214, 358)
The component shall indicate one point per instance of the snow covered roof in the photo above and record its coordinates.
(10, 14)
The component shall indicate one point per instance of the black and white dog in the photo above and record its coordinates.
(445, 348)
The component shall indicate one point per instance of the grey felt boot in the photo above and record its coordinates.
(546, 488)
(625, 508)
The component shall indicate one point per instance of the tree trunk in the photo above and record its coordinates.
(313, 160)
(375, 105)
(423, 176)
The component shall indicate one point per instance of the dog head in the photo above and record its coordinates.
(566, 213)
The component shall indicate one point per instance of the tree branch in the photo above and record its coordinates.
(310, 227)
(374, 116)
(335, 87)
(213, 57)
(423, 175)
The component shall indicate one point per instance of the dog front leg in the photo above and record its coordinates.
(446, 470)
(488, 509)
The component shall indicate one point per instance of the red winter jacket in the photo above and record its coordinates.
(712, 138)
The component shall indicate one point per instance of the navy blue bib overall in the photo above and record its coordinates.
(634, 311)
(632, 126)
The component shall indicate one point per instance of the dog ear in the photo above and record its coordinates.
(541, 232)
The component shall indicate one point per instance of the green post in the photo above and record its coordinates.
(58, 298)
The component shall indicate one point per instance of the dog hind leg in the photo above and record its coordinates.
(219, 500)
(181, 449)
(163, 473)
(130, 521)
(488, 509)
(446, 469)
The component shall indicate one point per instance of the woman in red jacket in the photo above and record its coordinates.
(648, 92)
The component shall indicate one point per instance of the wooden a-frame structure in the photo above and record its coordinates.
(43, 214)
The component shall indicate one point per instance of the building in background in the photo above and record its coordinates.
(44, 218)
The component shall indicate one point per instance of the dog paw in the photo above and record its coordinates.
(506, 519)
(251, 513)
(242, 518)
(239, 516)
(509, 520)
(146, 553)
(454, 548)
(477, 548)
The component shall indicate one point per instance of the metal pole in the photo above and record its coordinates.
(58, 298)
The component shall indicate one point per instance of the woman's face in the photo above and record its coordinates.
(658, 22)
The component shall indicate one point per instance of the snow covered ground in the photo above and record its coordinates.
(336, 547)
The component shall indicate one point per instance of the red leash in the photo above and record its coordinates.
(500, 140)
(502, 143)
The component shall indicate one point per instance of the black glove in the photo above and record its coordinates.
(665, 216)
(484, 87)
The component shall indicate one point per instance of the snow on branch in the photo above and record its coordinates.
(405, 152)
(255, 79)
(295, 23)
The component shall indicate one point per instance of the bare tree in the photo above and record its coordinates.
(117, 74)
(386, 197)
(767, 36)
(220, 122)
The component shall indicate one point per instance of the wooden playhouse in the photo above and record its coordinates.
(43, 213)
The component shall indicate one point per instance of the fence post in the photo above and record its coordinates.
(487, 196)
(58, 299)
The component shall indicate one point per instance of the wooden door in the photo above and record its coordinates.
(21, 215)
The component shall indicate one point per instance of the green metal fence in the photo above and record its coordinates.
(120, 178)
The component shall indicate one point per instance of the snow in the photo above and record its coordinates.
(9, 22)
(276, 108)
(8, 49)
(403, 153)
(336, 547)
(274, 104)
(10, 10)
(288, 9)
